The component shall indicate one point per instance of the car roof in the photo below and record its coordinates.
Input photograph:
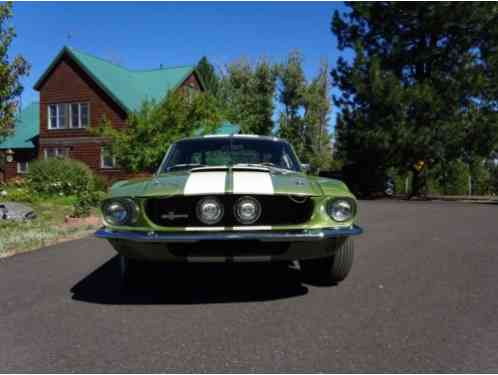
(239, 136)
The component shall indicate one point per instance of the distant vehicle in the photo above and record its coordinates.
(236, 198)
(390, 187)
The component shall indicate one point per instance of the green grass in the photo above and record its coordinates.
(46, 229)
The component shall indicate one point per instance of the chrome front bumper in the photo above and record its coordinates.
(264, 236)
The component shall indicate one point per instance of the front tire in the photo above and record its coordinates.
(333, 269)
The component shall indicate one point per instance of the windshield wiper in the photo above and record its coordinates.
(184, 166)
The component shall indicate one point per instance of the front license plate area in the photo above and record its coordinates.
(228, 249)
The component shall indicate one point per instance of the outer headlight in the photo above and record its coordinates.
(247, 210)
(209, 210)
(120, 211)
(341, 209)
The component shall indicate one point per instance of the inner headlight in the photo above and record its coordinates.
(247, 210)
(120, 211)
(209, 211)
(340, 210)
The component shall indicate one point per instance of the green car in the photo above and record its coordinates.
(236, 198)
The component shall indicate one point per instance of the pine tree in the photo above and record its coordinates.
(318, 150)
(292, 93)
(420, 87)
(248, 94)
(208, 75)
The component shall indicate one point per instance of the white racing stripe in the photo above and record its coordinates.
(212, 182)
(252, 183)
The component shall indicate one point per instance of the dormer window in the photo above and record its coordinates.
(68, 115)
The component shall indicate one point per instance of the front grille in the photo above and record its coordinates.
(276, 210)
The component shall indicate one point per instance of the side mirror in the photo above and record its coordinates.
(305, 167)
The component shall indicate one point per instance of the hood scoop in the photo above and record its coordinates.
(249, 168)
(209, 169)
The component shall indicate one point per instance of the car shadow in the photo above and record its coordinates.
(181, 283)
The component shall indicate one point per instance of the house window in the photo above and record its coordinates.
(107, 160)
(64, 115)
(52, 116)
(84, 114)
(75, 115)
(22, 167)
(56, 153)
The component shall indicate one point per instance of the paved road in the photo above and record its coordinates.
(422, 296)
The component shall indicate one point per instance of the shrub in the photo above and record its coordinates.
(16, 191)
(482, 178)
(85, 201)
(100, 183)
(451, 178)
(56, 176)
(493, 177)
(401, 185)
(15, 195)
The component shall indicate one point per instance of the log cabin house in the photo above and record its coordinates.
(75, 92)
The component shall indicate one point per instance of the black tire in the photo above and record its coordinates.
(331, 269)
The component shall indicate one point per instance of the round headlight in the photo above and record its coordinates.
(247, 210)
(115, 213)
(209, 211)
(120, 212)
(340, 210)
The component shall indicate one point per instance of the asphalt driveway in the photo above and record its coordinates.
(422, 296)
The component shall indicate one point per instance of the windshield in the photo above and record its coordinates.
(230, 151)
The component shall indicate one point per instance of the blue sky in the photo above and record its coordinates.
(145, 35)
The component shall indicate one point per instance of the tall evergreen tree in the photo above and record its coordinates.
(237, 94)
(419, 87)
(11, 72)
(264, 86)
(317, 104)
(292, 93)
(248, 93)
(208, 75)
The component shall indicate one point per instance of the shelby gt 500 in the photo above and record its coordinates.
(236, 198)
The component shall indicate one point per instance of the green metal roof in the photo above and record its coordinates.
(27, 128)
(128, 88)
(224, 128)
(228, 128)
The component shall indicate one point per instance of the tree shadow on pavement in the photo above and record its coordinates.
(485, 202)
(191, 284)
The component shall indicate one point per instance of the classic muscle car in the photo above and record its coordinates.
(237, 198)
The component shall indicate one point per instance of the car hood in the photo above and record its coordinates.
(206, 181)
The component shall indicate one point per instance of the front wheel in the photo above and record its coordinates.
(331, 269)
